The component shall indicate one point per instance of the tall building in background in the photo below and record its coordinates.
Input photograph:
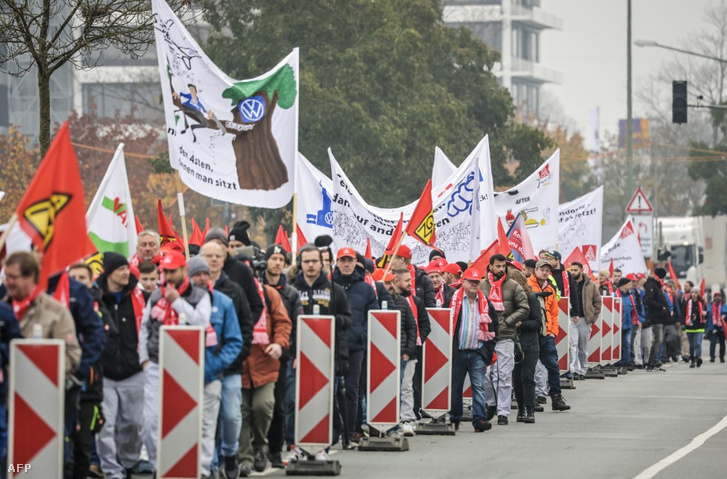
(513, 28)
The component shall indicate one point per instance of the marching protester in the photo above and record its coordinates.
(223, 343)
(688, 286)
(443, 291)
(657, 313)
(585, 308)
(148, 276)
(177, 302)
(540, 283)
(630, 319)
(451, 274)
(671, 346)
(475, 324)
(9, 330)
(421, 285)
(510, 301)
(716, 314)
(605, 287)
(694, 321)
(361, 299)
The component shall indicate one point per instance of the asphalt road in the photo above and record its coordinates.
(617, 428)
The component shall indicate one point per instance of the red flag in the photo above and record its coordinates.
(610, 269)
(368, 254)
(702, 288)
(421, 224)
(674, 275)
(282, 239)
(206, 228)
(483, 260)
(197, 238)
(166, 233)
(227, 231)
(139, 227)
(395, 236)
(578, 256)
(53, 210)
(301, 237)
(504, 244)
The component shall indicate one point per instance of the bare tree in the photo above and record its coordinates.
(47, 34)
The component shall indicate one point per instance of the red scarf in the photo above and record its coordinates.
(566, 283)
(260, 332)
(413, 272)
(634, 314)
(484, 333)
(689, 312)
(495, 295)
(63, 290)
(171, 318)
(20, 307)
(415, 312)
(370, 280)
(716, 316)
(137, 301)
(440, 296)
(457, 284)
(608, 284)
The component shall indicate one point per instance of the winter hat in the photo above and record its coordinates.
(660, 272)
(274, 249)
(113, 261)
(369, 265)
(436, 252)
(623, 282)
(197, 265)
(239, 232)
(218, 234)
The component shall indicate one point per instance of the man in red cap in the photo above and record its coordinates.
(451, 275)
(475, 325)
(177, 302)
(421, 285)
(361, 299)
(442, 290)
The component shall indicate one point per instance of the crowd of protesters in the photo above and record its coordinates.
(504, 320)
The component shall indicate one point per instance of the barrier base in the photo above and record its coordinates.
(610, 372)
(312, 467)
(435, 427)
(390, 444)
(566, 383)
(623, 370)
(595, 374)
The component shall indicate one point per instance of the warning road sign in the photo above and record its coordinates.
(639, 203)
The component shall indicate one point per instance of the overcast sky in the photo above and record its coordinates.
(590, 51)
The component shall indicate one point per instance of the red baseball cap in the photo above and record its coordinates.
(346, 253)
(433, 267)
(389, 277)
(632, 277)
(472, 274)
(404, 252)
(452, 268)
(172, 260)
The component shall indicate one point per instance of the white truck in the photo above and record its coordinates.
(697, 247)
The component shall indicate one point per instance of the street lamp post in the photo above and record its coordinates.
(629, 116)
(651, 43)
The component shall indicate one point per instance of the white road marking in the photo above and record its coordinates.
(680, 453)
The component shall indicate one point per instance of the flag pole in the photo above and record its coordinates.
(294, 232)
(180, 200)
(6, 233)
(396, 250)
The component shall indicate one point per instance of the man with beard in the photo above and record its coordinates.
(585, 300)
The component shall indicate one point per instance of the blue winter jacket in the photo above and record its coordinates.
(229, 338)
(723, 312)
(9, 329)
(626, 322)
(361, 299)
(89, 327)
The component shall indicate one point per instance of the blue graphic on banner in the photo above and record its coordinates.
(252, 109)
(324, 216)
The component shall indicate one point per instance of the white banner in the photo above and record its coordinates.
(581, 225)
(454, 204)
(231, 140)
(110, 218)
(644, 225)
(625, 250)
(537, 199)
(315, 211)
(2, 195)
(442, 168)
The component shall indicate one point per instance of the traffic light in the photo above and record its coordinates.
(679, 102)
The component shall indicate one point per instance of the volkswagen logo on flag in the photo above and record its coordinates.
(252, 109)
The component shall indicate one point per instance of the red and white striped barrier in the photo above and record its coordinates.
(384, 362)
(314, 376)
(181, 391)
(36, 398)
(437, 365)
(594, 341)
(616, 351)
(607, 330)
(561, 341)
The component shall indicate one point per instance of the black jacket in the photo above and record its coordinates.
(408, 327)
(657, 309)
(93, 387)
(382, 294)
(291, 299)
(448, 293)
(331, 299)
(422, 318)
(9, 330)
(361, 299)
(244, 317)
(240, 273)
(424, 288)
(529, 329)
(120, 358)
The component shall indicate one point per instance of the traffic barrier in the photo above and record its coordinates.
(437, 365)
(36, 400)
(314, 376)
(181, 390)
(617, 333)
(561, 341)
(607, 330)
(594, 341)
(383, 369)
